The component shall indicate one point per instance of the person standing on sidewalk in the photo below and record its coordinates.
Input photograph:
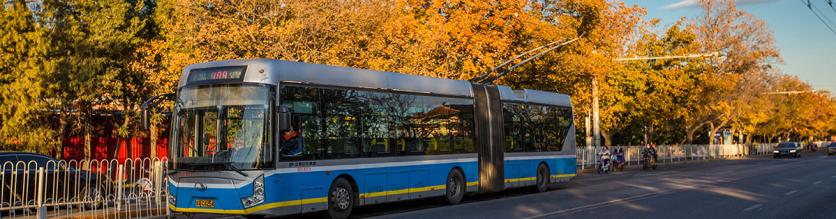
(652, 149)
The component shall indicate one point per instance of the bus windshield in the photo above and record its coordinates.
(222, 127)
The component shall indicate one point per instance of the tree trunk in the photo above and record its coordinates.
(651, 132)
(714, 130)
(607, 138)
(689, 132)
(152, 132)
(733, 135)
(128, 147)
(62, 125)
(87, 137)
(689, 136)
(126, 121)
(711, 132)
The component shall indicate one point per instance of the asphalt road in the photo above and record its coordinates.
(743, 188)
(746, 188)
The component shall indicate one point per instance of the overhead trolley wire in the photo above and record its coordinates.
(487, 78)
(820, 12)
(817, 13)
(830, 3)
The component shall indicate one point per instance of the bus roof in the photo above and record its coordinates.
(534, 96)
(272, 71)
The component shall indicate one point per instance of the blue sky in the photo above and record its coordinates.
(807, 46)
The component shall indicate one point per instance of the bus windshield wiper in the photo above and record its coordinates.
(233, 168)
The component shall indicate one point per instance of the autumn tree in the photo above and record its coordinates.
(745, 45)
(69, 61)
(23, 118)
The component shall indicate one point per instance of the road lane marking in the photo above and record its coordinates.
(753, 207)
(816, 183)
(791, 192)
(705, 180)
(603, 204)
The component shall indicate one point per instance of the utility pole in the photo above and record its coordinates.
(588, 129)
(596, 116)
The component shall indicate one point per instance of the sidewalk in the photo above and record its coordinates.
(637, 166)
(99, 214)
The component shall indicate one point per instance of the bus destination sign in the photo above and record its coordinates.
(231, 73)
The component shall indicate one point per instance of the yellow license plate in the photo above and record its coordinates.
(205, 203)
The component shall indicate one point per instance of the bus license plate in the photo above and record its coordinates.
(205, 203)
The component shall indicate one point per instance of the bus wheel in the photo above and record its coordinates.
(455, 187)
(340, 199)
(542, 178)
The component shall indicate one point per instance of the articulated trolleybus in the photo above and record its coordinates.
(268, 137)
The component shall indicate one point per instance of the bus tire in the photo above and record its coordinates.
(542, 178)
(455, 187)
(341, 199)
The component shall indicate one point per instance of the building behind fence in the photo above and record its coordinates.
(134, 188)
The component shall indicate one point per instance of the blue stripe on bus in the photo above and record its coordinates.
(296, 189)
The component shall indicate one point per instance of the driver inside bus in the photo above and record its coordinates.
(291, 143)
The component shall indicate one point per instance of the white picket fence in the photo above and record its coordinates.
(588, 156)
(84, 189)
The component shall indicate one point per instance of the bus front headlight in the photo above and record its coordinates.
(258, 193)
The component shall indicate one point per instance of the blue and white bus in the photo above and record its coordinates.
(269, 137)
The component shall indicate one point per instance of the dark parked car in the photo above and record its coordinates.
(788, 149)
(62, 184)
(831, 149)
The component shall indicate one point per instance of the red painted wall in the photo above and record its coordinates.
(110, 148)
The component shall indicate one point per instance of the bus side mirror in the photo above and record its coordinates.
(146, 118)
(149, 105)
(284, 118)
